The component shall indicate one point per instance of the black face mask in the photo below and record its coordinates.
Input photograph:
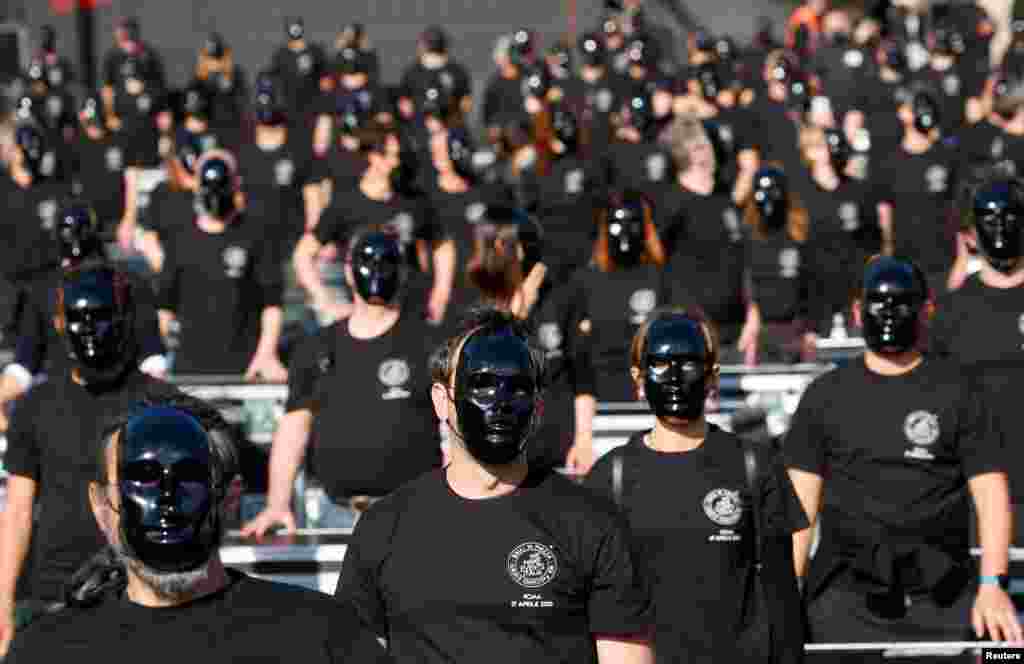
(563, 123)
(77, 233)
(495, 397)
(98, 324)
(460, 152)
(926, 113)
(626, 235)
(295, 30)
(998, 214)
(216, 192)
(641, 115)
(894, 296)
(169, 519)
(839, 150)
(770, 198)
(707, 78)
(378, 268)
(676, 368)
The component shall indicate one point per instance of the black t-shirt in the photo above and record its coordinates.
(342, 167)
(954, 86)
(897, 452)
(535, 574)
(982, 328)
(775, 134)
(371, 440)
(99, 175)
(696, 224)
(460, 212)
(273, 181)
(53, 440)
(300, 73)
(984, 143)
(503, 102)
(714, 284)
(169, 213)
(920, 188)
(412, 219)
(645, 167)
(598, 101)
(32, 219)
(695, 506)
(249, 620)
(452, 75)
(780, 277)
(616, 304)
(879, 101)
(218, 286)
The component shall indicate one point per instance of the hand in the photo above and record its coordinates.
(581, 457)
(437, 305)
(809, 346)
(995, 614)
(964, 246)
(113, 123)
(748, 345)
(269, 518)
(6, 628)
(268, 366)
(126, 236)
(748, 161)
(885, 217)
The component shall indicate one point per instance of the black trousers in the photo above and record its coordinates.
(841, 615)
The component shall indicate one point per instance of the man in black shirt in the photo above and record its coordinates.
(433, 62)
(547, 574)
(161, 480)
(222, 285)
(300, 64)
(635, 160)
(380, 344)
(376, 201)
(905, 442)
(51, 439)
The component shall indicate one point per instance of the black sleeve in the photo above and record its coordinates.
(491, 104)
(805, 442)
(22, 456)
(429, 226)
(33, 332)
(147, 322)
(599, 479)
(110, 69)
(463, 83)
(270, 276)
(620, 602)
(168, 284)
(940, 330)
(782, 513)
(304, 373)
(330, 228)
(350, 641)
(981, 442)
(359, 583)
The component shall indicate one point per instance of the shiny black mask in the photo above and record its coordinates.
(496, 396)
(998, 209)
(839, 150)
(169, 519)
(707, 78)
(626, 234)
(894, 296)
(926, 113)
(592, 50)
(566, 129)
(770, 197)
(78, 234)
(295, 30)
(33, 149)
(641, 113)
(378, 268)
(216, 192)
(677, 368)
(98, 324)
(460, 152)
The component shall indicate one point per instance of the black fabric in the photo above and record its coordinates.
(342, 167)
(299, 73)
(897, 480)
(218, 286)
(698, 225)
(503, 102)
(696, 506)
(645, 167)
(99, 173)
(459, 213)
(452, 76)
(53, 440)
(31, 218)
(714, 285)
(169, 214)
(248, 621)
(548, 567)
(372, 440)
(780, 275)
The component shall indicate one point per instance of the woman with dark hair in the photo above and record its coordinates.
(616, 292)
(684, 488)
(778, 272)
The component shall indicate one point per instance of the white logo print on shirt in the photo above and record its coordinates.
(724, 508)
(394, 374)
(922, 429)
(235, 260)
(642, 302)
(532, 565)
(284, 172)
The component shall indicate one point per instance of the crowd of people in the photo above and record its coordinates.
(627, 215)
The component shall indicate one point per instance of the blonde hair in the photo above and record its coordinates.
(685, 132)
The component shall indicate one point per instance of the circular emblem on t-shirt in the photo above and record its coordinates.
(447, 80)
(574, 181)
(723, 507)
(115, 159)
(936, 177)
(604, 100)
(56, 77)
(550, 336)
(475, 212)
(235, 259)
(394, 372)
(48, 164)
(305, 63)
(789, 263)
(402, 224)
(144, 103)
(853, 59)
(922, 428)
(951, 85)
(725, 133)
(731, 221)
(642, 302)
(532, 565)
(47, 213)
(998, 147)
(284, 171)
(54, 106)
(656, 165)
(849, 215)
(917, 55)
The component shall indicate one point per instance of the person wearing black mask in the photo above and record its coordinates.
(354, 36)
(354, 86)
(51, 106)
(226, 87)
(195, 137)
(160, 489)
(917, 182)
(58, 69)
(958, 80)
(583, 595)
(617, 291)
(979, 325)
(635, 160)
(51, 439)
(777, 113)
(302, 65)
(879, 97)
(382, 344)
(893, 562)
(221, 284)
(780, 274)
(434, 63)
(38, 350)
(503, 96)
(683, 486)
(597, 91)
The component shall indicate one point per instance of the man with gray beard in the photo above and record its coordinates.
(163, 474)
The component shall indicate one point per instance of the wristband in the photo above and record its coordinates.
(1002, 580)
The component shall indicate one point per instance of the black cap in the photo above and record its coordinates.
(434, 39)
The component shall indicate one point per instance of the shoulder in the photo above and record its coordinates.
(49, 637)
(566, 497)
(309, 350)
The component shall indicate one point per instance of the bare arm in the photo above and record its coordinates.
(991, 494)
(270, 331)
(808, 488)
(153, 251)
(167, 318)
(624, 651)
(312, 198)
(286, 454)
(15, 536)
(444, 277)
(322, 134)
(304, 261)
(126, 230)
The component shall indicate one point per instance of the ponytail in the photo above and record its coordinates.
(101, 576)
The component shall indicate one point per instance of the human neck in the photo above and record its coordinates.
(476, 481)
(896, 364)
(942, 62)
(270, 138)
(825, 176)
(433, 60)
(211, 225)
(369, 321)
(375, 186)
(915, 142)
(451, 183)
(995, 279)
(699, 181)
(590, 73)
(684, 436)
(142, 594)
